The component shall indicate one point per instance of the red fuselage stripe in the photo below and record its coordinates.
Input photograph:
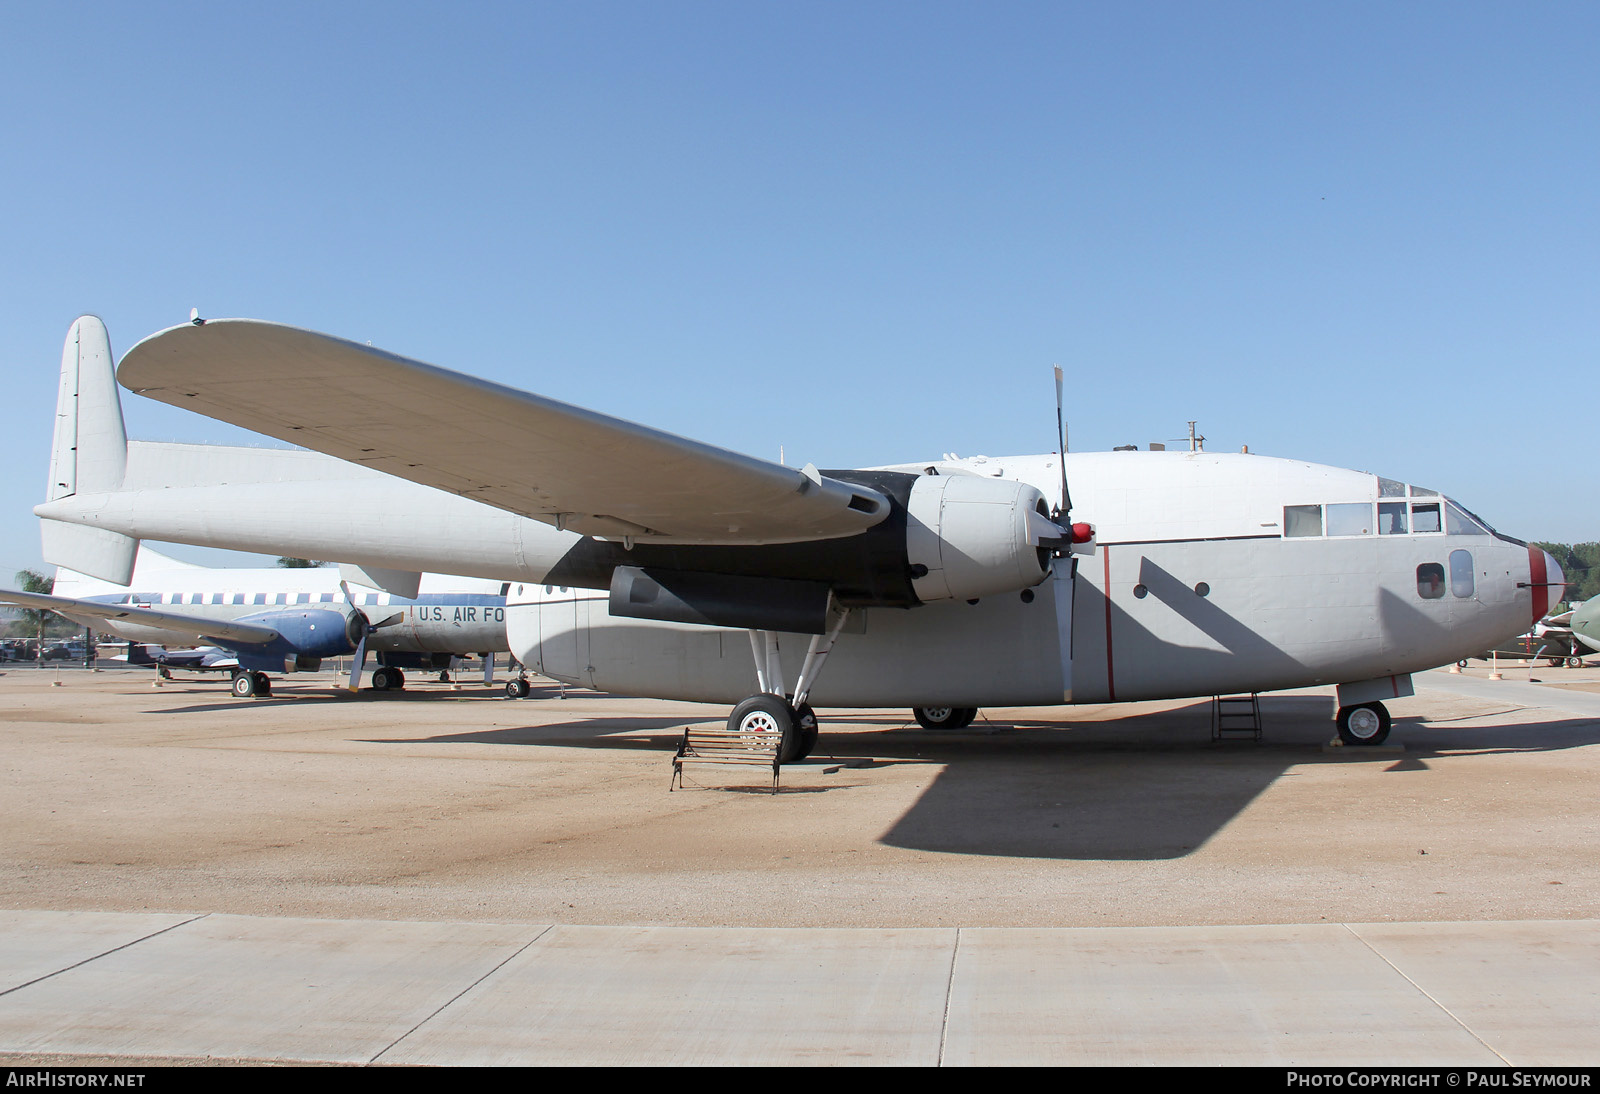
(1537, 576)
(1111, 686)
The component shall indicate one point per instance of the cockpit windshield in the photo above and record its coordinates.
(1459, 522)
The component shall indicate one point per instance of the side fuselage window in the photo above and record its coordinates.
(1430, 580)
(1391, 518)
(1461, 573)
(1350, 519)
(1298, 521)
(1425, 517)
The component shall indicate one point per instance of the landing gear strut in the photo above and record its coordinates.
(1367, 724)
(785, 722)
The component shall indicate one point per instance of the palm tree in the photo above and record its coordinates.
(32, 581)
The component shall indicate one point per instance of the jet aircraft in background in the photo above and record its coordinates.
(286, 620)
(645, 563)
(1585, 623)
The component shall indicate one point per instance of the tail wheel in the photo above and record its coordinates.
(1367, 724)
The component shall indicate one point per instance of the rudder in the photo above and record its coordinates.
(89, 454)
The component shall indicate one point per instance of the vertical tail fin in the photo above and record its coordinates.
(89, 455)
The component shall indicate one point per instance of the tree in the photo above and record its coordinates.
(299, 563)
(32, 581)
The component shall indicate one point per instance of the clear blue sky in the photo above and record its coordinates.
(1360, 234)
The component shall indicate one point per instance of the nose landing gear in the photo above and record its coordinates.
(1367, 724)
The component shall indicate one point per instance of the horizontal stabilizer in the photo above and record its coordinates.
(401, 583)
(573, 468)
(219, 629)
(89, 550)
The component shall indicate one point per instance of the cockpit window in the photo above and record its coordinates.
(1425, 516)
(1302, 520)
(1423, 492)
(1388, 488)
(1458, 523)
(1350, 519)
(1391, 518)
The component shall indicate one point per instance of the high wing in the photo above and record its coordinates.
(219, 629)
(523, 453)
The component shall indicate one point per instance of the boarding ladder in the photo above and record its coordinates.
(1236, 716)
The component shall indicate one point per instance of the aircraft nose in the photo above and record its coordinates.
(1545, 581)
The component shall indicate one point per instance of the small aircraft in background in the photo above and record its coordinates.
(1585, 623)
(284, 620)
(644, 563)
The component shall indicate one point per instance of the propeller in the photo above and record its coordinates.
(1063, 512)
(1068, 536)
(368, 629)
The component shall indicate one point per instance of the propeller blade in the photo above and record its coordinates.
(389, 622)
(357, 663)
(1061, 438)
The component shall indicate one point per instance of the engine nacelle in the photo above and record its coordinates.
(968, 537)
(312, 632)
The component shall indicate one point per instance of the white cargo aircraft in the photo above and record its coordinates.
(645, 563)
(287, 620)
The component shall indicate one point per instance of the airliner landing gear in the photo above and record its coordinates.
(517, 688)
(1367, 724)
(805, 724)
(944, 717)
(385, 678)
(783, 722)
(247, 684)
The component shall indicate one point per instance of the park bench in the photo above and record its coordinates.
(704, 744)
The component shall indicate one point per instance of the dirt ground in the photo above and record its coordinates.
(447, 803)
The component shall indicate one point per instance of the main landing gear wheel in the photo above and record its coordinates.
(1367, 724)
(1574, 662)
(767, 722)
(385, 678)
(805, 722)
(247, 684)
(944, 717)
(516, 688)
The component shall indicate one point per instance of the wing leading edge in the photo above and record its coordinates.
(520, 452)
(222, 630)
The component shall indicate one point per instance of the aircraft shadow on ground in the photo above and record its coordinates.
(1149, 786)
(1161, 791)
(312, 696)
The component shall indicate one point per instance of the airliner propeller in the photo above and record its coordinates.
(1072, 537)
(1063, 512)
(368, 629)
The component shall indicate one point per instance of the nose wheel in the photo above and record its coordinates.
(1367, 724)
